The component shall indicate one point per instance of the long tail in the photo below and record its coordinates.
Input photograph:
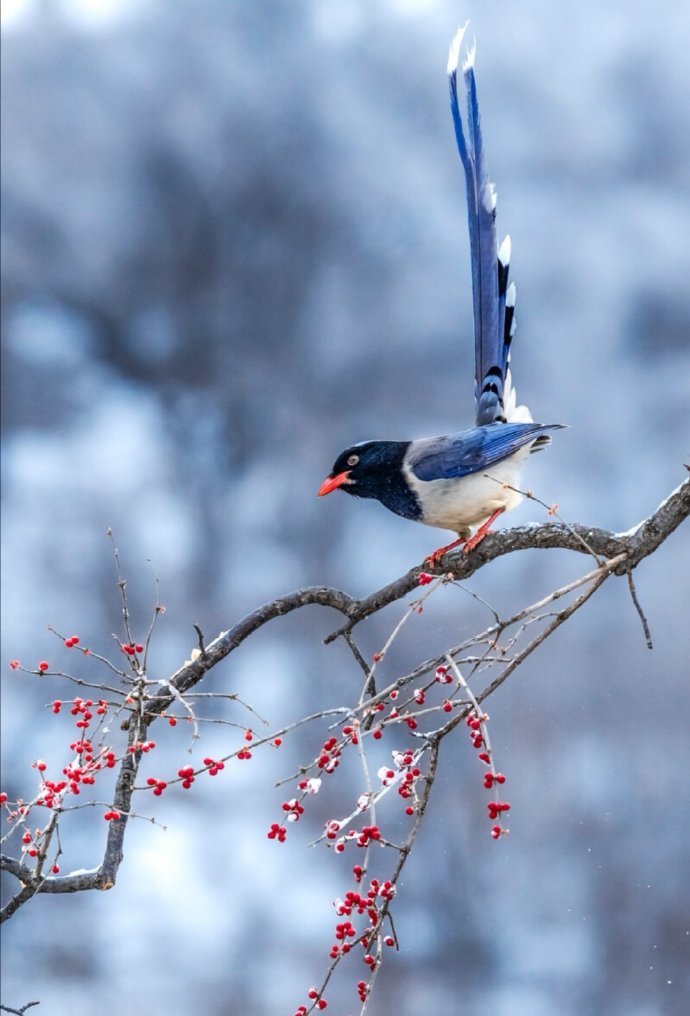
(494, 299)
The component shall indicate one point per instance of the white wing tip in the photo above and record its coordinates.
(510, 294)
(455, 47)
(468, 64)
(504, 251)
(514, 413)
(490, 197)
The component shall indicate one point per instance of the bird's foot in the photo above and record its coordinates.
(433, 559)
(483, 531)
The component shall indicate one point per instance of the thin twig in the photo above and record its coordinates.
(18, 1012)
(638, 608)
(200, 636)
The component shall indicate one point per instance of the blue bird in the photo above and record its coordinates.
(464, 480)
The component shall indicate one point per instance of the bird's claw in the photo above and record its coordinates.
(433, 559)
(475, 540)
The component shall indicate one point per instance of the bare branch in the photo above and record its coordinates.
(635, 544)
(620, 554)
(19, 1012)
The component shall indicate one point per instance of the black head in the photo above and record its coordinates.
(374, 469)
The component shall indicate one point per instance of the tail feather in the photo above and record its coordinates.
(493, 298)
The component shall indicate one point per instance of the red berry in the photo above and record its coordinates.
(138, 648)
(43, 666)
(15, 664)
(55, 869)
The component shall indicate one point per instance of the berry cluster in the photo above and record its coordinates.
(141, 746)
(186, 774)
(492, 780)
(158, 786)
(277, 832)
(82, 771)
(405, 774)
(374, 904)
(329, 758)
(293, 808)
(213, 767)
(132, 648)
(367, 835)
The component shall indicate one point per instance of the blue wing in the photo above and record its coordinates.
(442, 458)
(492, 330)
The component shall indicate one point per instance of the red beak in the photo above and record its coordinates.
(333, 482)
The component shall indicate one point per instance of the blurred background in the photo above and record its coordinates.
(234, 242)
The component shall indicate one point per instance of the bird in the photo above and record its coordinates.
(461, 481)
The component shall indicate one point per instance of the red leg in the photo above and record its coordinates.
(482, 531)
(433, 559)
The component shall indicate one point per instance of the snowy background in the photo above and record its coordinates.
(234, 242)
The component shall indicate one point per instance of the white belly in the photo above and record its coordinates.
(460, 504)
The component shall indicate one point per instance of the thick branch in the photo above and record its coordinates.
(628, 548)
(637, 543)
(102, 877)
(227, 641)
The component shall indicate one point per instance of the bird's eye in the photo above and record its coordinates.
(353, 460)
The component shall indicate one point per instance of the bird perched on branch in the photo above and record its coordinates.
(466, 479)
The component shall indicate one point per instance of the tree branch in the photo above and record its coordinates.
(635, 544)
(622, 552)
